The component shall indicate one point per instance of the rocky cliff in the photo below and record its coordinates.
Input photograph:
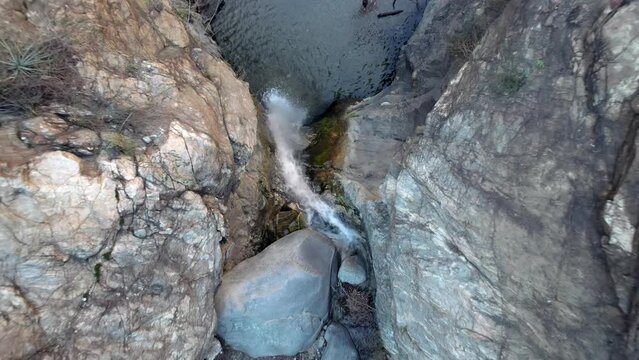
(497, 181)
(124, 141)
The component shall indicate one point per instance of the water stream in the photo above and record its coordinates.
(316, 52)
(285, 121)
(299, 57)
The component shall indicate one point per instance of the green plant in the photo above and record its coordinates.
(25, 61)
(36, 74)
(510, 79)
(328, 134)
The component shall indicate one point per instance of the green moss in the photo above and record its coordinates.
(97, 272)
(510, 79)
(107, 256)
(326, 143)
(298, 224)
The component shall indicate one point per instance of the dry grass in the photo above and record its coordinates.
(360, 312)
(121, 143)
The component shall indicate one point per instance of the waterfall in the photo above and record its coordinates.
(285, 121)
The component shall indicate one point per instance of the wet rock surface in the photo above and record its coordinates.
(277, 302)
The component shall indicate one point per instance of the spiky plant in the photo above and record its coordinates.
(26, 61)
(35, 74)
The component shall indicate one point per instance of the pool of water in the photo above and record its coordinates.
(315, 51)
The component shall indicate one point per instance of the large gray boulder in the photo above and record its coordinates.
(276, 302)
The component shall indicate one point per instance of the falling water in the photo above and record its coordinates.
(285, 120)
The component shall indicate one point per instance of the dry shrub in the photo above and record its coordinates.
(36, 74)
(360, 312)
(462, 45)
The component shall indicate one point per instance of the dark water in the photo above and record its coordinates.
(315, 51)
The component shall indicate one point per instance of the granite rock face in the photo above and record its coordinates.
(505, 226)
(276, 302)
(113, 206)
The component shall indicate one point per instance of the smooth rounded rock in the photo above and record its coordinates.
(276, 302)
(339, 344)
(352, 271)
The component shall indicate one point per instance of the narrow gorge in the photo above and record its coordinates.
(319, 180)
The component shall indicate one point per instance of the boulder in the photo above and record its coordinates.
(339, 344)
(276, 302)
(352, 271)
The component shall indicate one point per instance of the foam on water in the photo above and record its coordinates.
(285, 121)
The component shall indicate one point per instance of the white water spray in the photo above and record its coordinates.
(285, 120)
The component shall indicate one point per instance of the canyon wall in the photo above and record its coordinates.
(115, 188)
(497, 181)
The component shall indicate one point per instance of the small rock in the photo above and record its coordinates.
(385, 103)
(41, 130)
(82, 141)
(276, 302)
(47, 125)
(139, 233)
(126, 168)
(340, 345)
(352, 271)
(172, 29)
(134, 189)
(147, 139)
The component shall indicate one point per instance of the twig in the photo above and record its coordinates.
(390, 13)
(124, 122)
